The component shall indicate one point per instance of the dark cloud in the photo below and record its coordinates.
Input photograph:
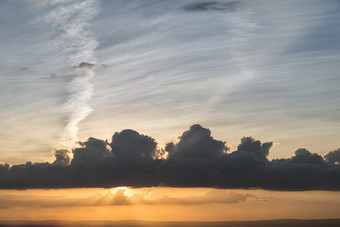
(249, 144)
(62, 157)
(85, 65)
(196, 160)
(304, 156)
(91, 152)
(129, 144)
(89, 65)
(333, 156)
(196, 143)
(212, 6)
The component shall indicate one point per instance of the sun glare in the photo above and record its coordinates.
(127, 192)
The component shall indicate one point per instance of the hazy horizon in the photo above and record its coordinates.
(272, 223)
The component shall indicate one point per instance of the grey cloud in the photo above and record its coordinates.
(85, 65)
(89, 65)
(333, 156)
(91, 152)
(249, 144)
(62, 157)
(304, 156)
(196, 143)
(129, 144)
(212, 6)
(196, 160)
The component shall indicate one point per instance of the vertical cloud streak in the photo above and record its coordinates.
(70, 21)
(242, 27)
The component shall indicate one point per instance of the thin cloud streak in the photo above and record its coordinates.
(70, 22)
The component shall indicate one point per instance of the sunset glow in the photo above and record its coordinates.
(181, 113)
(166, 204)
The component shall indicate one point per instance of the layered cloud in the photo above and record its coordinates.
(196, 160)
(121, 197)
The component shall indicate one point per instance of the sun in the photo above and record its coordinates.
(126, 190)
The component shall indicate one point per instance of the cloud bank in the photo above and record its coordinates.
(196, 160)
(120, 197)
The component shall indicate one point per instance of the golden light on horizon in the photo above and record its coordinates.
(165, 204)
(124, 191)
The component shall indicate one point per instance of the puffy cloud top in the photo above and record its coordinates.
(91, 152)
(196, 160)
(333, 156)
(196, 143)
(129, 144)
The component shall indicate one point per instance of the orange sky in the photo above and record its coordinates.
(166, 204)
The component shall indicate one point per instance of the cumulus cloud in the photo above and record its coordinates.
(196, 160)
(91, 152)
(196, 143)
(129, 144)
(333, 156)
(62, 157)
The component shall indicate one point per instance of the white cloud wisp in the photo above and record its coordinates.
(70, 21)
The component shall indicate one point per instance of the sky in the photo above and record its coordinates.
(195, 95)
(170, 204)
(252, 68)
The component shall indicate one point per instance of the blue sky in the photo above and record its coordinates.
(268, 69)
